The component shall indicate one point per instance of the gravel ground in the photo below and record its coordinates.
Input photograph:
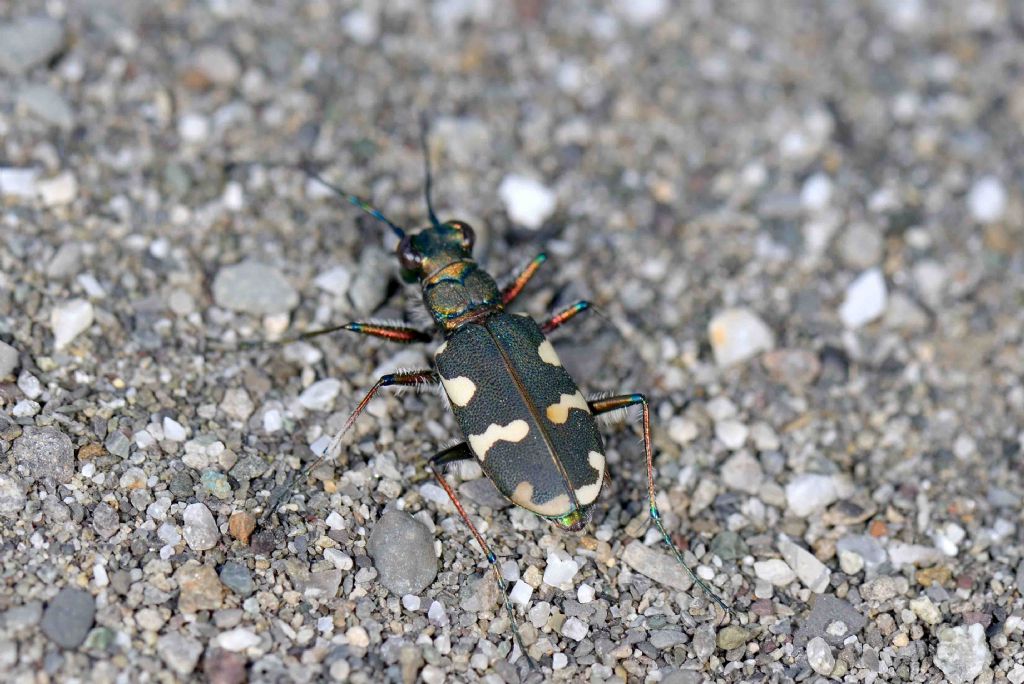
(803, 222)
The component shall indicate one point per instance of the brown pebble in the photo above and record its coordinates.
(224, 667)
(938, 575)
(201, 589)
(91, 451)
(793, 367)
(877, 529)
(240, 525)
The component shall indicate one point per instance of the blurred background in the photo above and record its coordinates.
(803, 224)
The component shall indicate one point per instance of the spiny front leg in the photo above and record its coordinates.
(513, 289)
(409, 379)
(599, 406)
(395, 333)
(461, 452)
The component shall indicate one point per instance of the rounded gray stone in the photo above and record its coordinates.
(45, 452)
(68, 617)
(254, 288)
(402, 549)
(27, 42)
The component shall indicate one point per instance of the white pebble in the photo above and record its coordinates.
(174, 431)
(574, 628)
(236, 640)
(585, 593)
(731, 433)
(59, 190)
(233, 197)
(99, 575)
(335, 521)
(527, 201)
(272, 420)
(641, 12)
(521, 593)
(320, 395)
(681, 430)
(808, 493)
(987, 200)
(70, 319)
(737, 335)
(865, 299)
(816, 192)
(819, 656)
(358, 637)
(199, 527)
(411, 602)
(775, 571)
(339, 559)
(193, 128)
(334, 280)
(559, 569)
(26, 408)
(559, 661)
(20, 183)
(437, 614)
(361, 26)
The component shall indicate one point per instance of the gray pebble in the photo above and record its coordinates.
(254, 288)
(827, 610)
(369, 286)
(237, 578)
(68, 617)
(45, 452)
(8, 360)
(482, 492)
(403, 553)
(181, 653)
(667, 638)
(660, 567)
(819, 656)
(23, 617)
(27, 42)
(117, 444)
(200, 528)
(12, 496)
(48, 105)
(105, 520)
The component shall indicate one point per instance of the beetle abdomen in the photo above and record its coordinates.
(522, 414)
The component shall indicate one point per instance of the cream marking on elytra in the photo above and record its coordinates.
(587, 494)
(523, 496)
(440, 350)
(513, 432)
(559, 413)
(460, 390)
(547, 354)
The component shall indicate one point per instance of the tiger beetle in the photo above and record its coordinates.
(524, 419)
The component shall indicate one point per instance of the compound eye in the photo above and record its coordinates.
(409, 258)
(468, 236)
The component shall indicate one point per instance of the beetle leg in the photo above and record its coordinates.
(513, 289)
(408, 379)
(457, 453)
(395, 333)
(599, 406)
(564, 315)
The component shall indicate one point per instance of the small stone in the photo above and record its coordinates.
(181, 653)
(68, 617)
(320, 395)
(254, 288)
(742, 472)
(411, 602)
(194, 129)
(927, 611)
(521, 593)
(865, 299)
(810, 493)
(50, 107)
(962, 653)
(200, 528)
(8, 360)
(987, 200)
(19, 183)
(641, 13)
(217, 64)
(819, 656)
(339, 559)
(70, 319)
(105, 520)
(832, 619)
(45, 452)
(30, 385)
(914, 554)
(237, 404)
(585, 593)
(850, 562)
(667, 638)
(236, 640)
(775, 571)
(174, 431)
(728, 546)
(322, 584)
(29, 41)
(816, 192)
(660, 567)
(437, 614)
(26, 408)
(559, 661)
(358, 637)
(237, 578)
(575, 629)
(809, 570)
(216, 483)
(361, 26)
(738, 335)
(12, 496)
(241, 525)
(869, 549)
(682, 431)
(334, 280)
(732, 433)
(560, 569)
(369, 285)
(527, 201)
(732, 636)
(883, 588)
(792, 367)
(200, 587)
(402, 549)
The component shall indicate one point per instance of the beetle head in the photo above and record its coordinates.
(433, 248)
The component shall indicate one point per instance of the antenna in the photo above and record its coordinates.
(307, 168)
(424, 134)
